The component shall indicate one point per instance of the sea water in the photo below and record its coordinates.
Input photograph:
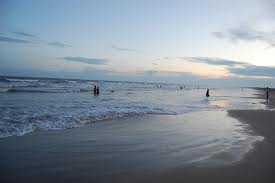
(148, 126)
(55, 104)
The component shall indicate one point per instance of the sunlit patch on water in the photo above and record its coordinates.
(221, 104)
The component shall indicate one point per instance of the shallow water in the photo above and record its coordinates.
(151, 143)
(30, 104)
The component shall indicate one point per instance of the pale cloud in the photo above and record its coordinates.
(123, 49)
(24, 34)
(214, 61)
(59, 44)
(248, 34)
(188, 65)
(93, 61)
(13, 40)
(30, 38)
(234, 68)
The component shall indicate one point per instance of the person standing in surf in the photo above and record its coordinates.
(207, 93)
(267, 94)
(94, 90)
(97, 90)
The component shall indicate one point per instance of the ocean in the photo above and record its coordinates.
(29, 104)
(128, 127)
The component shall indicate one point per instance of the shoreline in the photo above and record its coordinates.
(70, 155)
(66, 156)
(256, 166)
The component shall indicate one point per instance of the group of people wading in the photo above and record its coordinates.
(96, 90)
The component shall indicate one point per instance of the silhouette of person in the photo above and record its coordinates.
(207, 93)
(267, 94)
(94, 90)
(97, 90)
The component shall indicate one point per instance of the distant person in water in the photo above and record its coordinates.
(97, 90)
(94, 90)
(207, 93)
(267, 94)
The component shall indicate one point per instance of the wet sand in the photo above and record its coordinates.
(70, 156)
(127, 149)
(258, 166)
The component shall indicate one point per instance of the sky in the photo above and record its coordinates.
(210, 42)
